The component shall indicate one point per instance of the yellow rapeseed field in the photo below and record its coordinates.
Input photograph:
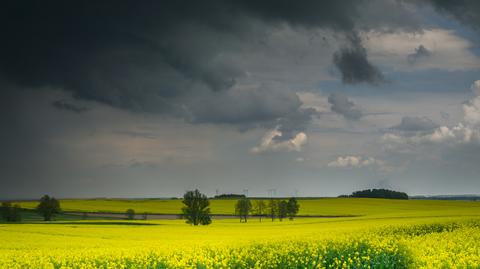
(392, 239)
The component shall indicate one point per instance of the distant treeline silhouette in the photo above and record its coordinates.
(378, 193)
(229, 196)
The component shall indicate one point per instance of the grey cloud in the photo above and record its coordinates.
(151, 56)
(384, 184)
(142, 164)
(444, 115)
(254, 106)
(345, 107)
(455, 144)
(65, 105)
(465, 11)
(243, 105)
(353, 64)
(295, 122)
(415, 124)
(165, 57)
(138, 134)
(421, 52)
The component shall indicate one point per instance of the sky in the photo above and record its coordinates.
(283, 98)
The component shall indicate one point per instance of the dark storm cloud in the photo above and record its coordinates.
(415, 124)
(151, 56)
(465, 11)
(75, 44)
(253, 106)
(244, 105)
(421, 52)
(123, 54)
(353, 64)
(65, 105)
(345, 107)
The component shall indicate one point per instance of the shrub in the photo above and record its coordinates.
(130, 213)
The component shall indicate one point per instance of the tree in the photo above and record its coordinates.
(10, 213)
(48, 207)
(282, 209)
(292, 208)
(258, 209)
(130, 213)
(272, 209)
(243, 208)
(196, 209)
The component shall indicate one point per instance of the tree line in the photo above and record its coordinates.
(273, 209)
(47, 207)
(229, 196)
(196, 209)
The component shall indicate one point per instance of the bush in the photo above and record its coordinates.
(130, 213)
(10, 213)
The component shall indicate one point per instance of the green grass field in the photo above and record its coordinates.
(312, 207)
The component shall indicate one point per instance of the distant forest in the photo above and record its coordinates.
(448, 197)
(229, 196)
(378, 193)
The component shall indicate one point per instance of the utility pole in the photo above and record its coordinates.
(272, 192)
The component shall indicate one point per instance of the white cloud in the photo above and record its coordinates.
(271, 143)
(446, 50)
(476, 87)
(464, 132)
(458, 134)
(471, 108)
(354, 162)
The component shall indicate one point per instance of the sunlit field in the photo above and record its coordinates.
(312, 207)
(240, 134)
(388, 234)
